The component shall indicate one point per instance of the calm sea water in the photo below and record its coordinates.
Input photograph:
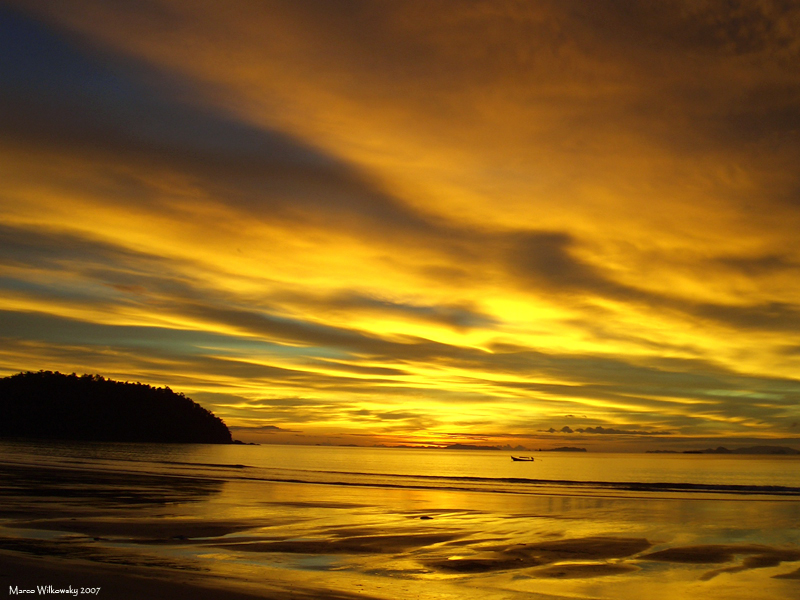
(387, 522)
(467, 470)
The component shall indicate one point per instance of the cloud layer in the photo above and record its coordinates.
(411, 221)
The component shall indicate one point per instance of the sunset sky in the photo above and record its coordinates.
(536, 222)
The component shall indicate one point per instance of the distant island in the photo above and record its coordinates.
(54, 406)
(470, 447)
(455, 447)
(771, 450)
(748, 450)
(505, 448)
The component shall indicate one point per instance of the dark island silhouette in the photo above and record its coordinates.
(54, 406)
(784, 450)
(771, 450)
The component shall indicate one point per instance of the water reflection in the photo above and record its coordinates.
(150, 506)
(100, 488)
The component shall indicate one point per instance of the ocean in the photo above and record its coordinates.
(416, 523)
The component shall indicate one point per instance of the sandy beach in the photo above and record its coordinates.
(133, 583)
(149, 535)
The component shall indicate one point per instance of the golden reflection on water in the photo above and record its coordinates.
(406, 542)
(486, 527)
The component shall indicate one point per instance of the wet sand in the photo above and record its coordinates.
(136, 583)
(154, 536)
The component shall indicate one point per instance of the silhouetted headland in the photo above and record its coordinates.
(54, 406)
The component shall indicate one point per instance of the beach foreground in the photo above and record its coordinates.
(158, 535)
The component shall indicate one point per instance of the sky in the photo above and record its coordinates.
(424, 222)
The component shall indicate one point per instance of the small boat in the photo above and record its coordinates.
(523, 458)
